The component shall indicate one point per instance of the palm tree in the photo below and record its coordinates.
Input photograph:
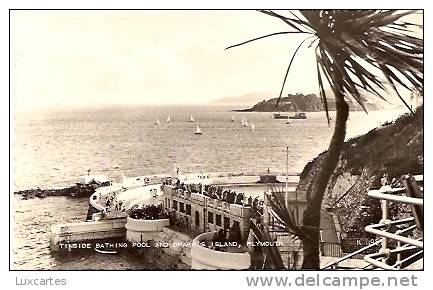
(357, 51)
(286, 218)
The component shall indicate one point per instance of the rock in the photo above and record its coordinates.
(77, 190)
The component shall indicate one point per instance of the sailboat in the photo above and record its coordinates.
(252, 127)
(192, 119)
(244, 122)
(168, 119)
(157, 122)
(198, 131)
(233, 118)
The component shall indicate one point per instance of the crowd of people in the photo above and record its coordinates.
(219, 193)
(226, 195)
(148, 212)
(216, 192)
(222, 237)
(229, 196)
(112, 203)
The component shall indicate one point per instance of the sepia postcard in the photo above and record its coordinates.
(217, 140)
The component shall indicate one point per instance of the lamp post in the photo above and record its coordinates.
(287, 176)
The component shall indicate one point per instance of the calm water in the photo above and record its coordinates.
(54, 148)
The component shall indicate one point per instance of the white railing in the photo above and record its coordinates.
(390, 196)
(382, 229)
(413, 247)
(334, 264)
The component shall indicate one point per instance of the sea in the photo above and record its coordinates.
(52, 148)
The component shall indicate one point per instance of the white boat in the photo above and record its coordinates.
(301, 116)
(198, 131)
(157, 122)
(233, 118)
(280, 116)
(192, 119)
(244, 122)
(168, 119)
(252, 127)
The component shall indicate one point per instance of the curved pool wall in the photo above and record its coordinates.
(142, 195)
(138, 194)
(103, 191)
(139, 230)
(204, 258)
(142, 189)
(219, 178)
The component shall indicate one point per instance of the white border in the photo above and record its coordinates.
(174, 280)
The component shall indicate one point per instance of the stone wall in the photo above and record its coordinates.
(204, 258)
(86, 231)
(160, 238)
(206, 214)
(144, 230)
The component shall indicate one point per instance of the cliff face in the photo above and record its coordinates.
(394, 148)
(300, 103)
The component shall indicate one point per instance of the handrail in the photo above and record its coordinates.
(396, 198)
(413, 196)
(409, 258)
(387, 195)
(336, 262)
(369, 246)
(371, 257)
(373, 230)
(418, 178)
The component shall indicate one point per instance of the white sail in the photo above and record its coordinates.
(233, 118)
(168, 119)
(192, 119)
(244, 122)
(252, 127)
(198, 131)
(157, 122)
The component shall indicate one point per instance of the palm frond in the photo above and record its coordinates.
(261, 37)
(288, 69)
(377, 37)
(285, 212)
(271, 252)
(322, 92)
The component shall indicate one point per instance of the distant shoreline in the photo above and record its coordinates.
(302, 103)
(271, 111)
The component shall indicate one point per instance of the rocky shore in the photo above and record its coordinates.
(77, 190)
(394, 148)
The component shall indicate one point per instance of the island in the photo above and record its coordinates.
(302, 103)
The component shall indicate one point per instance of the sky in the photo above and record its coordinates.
(81, 58)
